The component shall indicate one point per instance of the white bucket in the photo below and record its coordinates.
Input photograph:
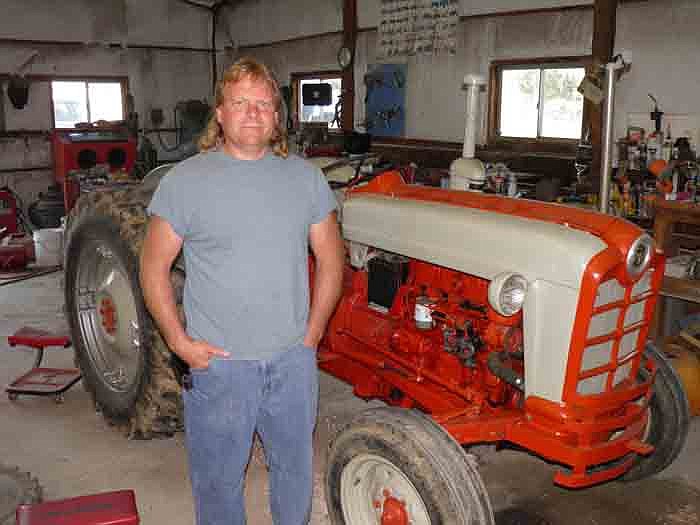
(48, 246)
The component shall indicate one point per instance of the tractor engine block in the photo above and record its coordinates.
(420, 329)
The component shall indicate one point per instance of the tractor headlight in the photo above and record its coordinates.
(507, 293)
(639, 255)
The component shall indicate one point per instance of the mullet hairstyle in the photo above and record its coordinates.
(247, 67)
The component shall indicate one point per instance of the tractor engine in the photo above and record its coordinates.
(434, 321)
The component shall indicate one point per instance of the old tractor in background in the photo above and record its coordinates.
(476, 318)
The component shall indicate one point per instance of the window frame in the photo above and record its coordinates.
(122, 81)
(296, 79)
(494, 111)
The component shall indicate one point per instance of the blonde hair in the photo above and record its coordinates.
(247, 67)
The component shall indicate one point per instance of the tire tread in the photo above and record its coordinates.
(157, 409)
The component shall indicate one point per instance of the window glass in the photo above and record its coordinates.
(562, 104)
(520, 90)
(320, 113)
(540, 102)
(82, 101)
(105, 101)
(69, 103)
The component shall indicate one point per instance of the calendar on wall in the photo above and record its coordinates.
(410, 27)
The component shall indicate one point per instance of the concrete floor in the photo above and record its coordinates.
(73, 451)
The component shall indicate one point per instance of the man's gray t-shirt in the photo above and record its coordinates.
(245, 227)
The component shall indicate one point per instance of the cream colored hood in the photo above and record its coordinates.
(481, 243)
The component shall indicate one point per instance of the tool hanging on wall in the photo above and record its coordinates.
(18, 85)
(385, 116)
(656, 115)
(286, 92)
(590, 88)
(376, 80)
(372, 82)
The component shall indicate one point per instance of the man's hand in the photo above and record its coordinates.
(197, 354)
(311, 341)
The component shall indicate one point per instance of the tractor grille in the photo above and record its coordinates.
(613, 340)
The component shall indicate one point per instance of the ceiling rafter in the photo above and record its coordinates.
(211, 5)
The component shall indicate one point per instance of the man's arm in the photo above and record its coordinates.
(160, 247)
(327, 246)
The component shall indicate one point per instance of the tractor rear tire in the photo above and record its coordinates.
(669, 417)
(126, 366)
(394, 465)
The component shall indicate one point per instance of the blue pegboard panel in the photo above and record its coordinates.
(385, 110)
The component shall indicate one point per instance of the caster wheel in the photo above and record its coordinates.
(59, 399)
(12, 396)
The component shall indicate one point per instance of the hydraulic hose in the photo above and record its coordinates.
(496, 363)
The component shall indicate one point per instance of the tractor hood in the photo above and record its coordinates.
(480, 242)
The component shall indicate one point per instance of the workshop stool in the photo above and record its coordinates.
(40, 381)
(107, 508)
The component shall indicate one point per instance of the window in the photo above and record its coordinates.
(314, 113)
(77, 101)
(536, 101)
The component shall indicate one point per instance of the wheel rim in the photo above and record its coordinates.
(373, 491)
(108, 317)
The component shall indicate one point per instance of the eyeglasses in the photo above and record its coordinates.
(243, 104)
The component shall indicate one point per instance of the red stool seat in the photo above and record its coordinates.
(40, 381)
(39, 339)
(107, 508)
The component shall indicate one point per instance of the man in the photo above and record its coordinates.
(245, 213)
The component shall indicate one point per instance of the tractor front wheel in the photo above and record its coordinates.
(398, 467)
(669, 417)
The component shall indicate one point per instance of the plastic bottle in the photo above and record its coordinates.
(667, 148)
(512, 184)
(652, 151)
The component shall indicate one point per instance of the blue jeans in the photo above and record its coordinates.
(226, 404)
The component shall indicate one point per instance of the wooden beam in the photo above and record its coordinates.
(349, 40)
(604, 22)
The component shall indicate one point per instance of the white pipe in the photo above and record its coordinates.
(473, 84)
(607, 140)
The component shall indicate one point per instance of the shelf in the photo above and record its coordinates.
(685, 289)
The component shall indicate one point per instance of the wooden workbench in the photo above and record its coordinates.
(668, 214)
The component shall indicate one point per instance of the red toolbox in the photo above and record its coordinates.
(108, 508)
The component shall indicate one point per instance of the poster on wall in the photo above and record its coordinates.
(385, 97)
(410, 27)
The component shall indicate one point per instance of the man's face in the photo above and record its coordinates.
(247, 115)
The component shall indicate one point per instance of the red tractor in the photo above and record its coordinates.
(502, 320)
(476, 318)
